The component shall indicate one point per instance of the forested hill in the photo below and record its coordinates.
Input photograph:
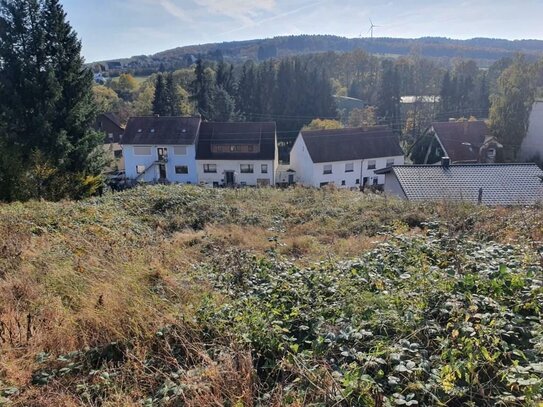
(483, 50)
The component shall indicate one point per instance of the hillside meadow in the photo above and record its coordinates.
(183, 296)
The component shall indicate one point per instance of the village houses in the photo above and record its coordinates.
(237, 154)
(110, 126)
(161, 149)
(346, 158)
(467, 141)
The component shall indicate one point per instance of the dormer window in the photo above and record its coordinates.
(491, 153)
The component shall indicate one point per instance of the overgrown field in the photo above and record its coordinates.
(181, 296)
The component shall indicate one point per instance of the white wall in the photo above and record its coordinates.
(152, 175)
(339, 175)
(234, 165)
(392, 186)
(300, 161)
(533, 142)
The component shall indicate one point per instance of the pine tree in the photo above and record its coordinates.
(224, 106)
(160, 101)
(389, 96)
(247, 92)
(202, 89)
(173, 103)
(46, 101)
(225, 78)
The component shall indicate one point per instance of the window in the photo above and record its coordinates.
(142, 150)
(235, 148)
(140, 169)
(118, 154)
(349, 167)
(327, 169)
(491, 153)
(264, 168)
(180, 150)
(210, 168)
(371, 164)
(358, 181)
(247, 168)
(375, 181)
(343, 183)
(323, 184)
(390, 162)
(181, 169)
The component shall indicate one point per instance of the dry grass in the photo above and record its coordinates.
(79, 275)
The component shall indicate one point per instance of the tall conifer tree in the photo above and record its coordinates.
(46, 103)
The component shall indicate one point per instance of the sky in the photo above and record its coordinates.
(111, 29)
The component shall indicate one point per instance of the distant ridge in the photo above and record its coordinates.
(484, 50)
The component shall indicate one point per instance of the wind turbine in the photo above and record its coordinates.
(372, 26)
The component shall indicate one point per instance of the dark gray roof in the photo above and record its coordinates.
(351, 144)
(502, 184)
(462, 140)
(261, 134)
(161, 130)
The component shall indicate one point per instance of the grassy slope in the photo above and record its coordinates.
(175, 295)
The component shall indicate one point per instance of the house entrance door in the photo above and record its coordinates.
(229, 178)
(162, 172)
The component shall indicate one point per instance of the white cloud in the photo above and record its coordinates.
(242, 10)
(173, 9)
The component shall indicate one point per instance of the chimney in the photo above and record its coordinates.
(445, 162)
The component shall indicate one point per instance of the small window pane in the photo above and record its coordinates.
(142, 150)
(140, 169)
(247, 168)
(181, 169)
(180, 150)
(210, 168)
(390, 162)
(264, 168)
(349, 167)
(327, 169)
(371, 164)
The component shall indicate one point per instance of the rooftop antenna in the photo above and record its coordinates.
(372, 26)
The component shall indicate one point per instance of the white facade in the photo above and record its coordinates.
(342, 174)
(223, 172)
(532, 145)
(392, 186)
(179, 166)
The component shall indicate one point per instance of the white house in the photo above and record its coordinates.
(532, 145)
(161, 149)
(346, 158)
(231, 154)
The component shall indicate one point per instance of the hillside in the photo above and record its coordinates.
(169, 296)
(484, 50)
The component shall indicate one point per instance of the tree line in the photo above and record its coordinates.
(48, 102)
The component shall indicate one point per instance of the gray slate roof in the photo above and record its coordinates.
(502, 184)
(153, 130)
(212, 133)
(351, 144)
